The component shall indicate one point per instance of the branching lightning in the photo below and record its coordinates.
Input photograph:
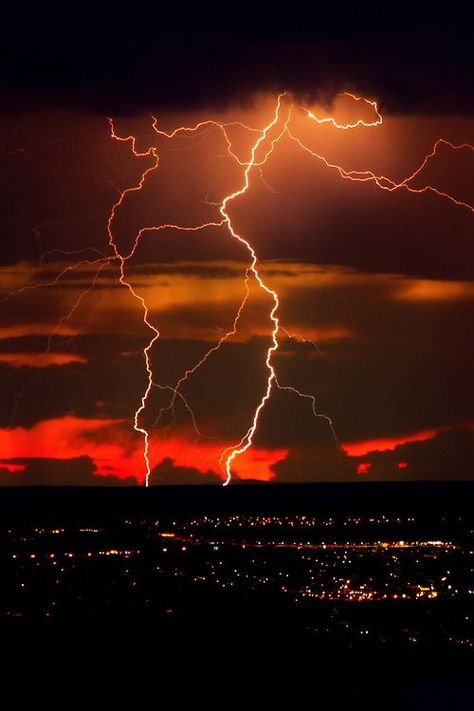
(255, 162)
(266, 139)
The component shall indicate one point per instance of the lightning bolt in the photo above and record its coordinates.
(231, 453)
(382, 181)
(259, 154)
(345, 126)
(255, 162)
(123, 259)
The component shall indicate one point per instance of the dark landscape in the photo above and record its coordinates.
(363, 592)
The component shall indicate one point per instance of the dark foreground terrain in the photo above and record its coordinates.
(341, 594)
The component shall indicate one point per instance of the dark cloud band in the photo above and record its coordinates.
(124, 62)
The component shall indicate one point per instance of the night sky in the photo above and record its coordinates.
(374, 284)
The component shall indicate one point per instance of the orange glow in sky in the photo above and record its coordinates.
(210, 315)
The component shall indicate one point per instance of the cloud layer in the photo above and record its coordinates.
(111, 60)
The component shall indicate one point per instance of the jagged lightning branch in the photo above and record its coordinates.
(381, 181)
(230, 453)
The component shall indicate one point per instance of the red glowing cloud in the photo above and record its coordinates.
(114, 452)
(360, 449)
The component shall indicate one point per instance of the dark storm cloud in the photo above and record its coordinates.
(126, 59)
(408, 366)
(111, 385)
(94, 346)
(357, 225)
(81, 277)
(449, 455)
(168, 473)
(202, 269)
(404, 365)
(320, 462)
(77, 471)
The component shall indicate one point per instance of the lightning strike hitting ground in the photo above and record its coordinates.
(260, 153)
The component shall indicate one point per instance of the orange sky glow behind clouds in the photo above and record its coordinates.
(375, 294)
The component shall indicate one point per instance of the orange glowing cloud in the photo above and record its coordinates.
(40, 360)
(198, 300)
(430, 290)
(34, 329)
